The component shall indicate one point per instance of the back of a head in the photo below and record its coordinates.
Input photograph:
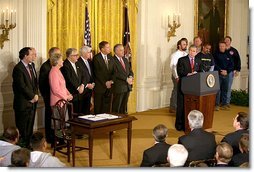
(37, 141)
(195, 119)
(11, 134)
(20, 157)
(243, 119)
(52, 51)
(177, 155)
(160, 133)
(244, 143)
(224, 152)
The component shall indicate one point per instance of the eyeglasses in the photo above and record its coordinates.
(74, 55)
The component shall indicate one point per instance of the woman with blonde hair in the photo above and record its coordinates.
(57, 84)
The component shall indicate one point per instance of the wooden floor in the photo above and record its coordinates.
(142, 138)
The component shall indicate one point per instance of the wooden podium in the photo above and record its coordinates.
(200, 94)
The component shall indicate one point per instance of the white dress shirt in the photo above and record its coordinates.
(174, 59)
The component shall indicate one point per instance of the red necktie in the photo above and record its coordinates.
(192, 64)
(122, 63)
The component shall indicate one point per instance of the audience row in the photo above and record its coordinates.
(199, 146)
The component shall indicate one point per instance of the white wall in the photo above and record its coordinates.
(30, 31)
(154, 83)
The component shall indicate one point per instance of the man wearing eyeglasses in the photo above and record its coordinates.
(74, 78)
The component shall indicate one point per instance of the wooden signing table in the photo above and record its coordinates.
(93, 128)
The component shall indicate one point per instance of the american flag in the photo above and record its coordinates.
(126, 35)
(87, 35)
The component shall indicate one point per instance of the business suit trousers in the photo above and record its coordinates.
(120, 101)
(47, 120)
(86, 103)
(173, 98)
(25, 122)
(102, 103)
(180, 121)
(221, 96)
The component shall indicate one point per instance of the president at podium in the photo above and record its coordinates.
(186, 66)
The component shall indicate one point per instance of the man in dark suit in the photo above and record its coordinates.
(74, 79)
(25, 95)
(87, 70)
(200, 144)
(158, 153)
(186, 66)
(241, 125)
(45, 92)
(103, 65)
(123, 79)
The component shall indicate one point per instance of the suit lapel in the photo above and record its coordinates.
(120, 65)
(101, 59)
(71, 68)
(26, 72)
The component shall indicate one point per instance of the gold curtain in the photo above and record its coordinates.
(65, 27)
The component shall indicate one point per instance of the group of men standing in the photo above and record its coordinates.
(108, 78)
(225, 60)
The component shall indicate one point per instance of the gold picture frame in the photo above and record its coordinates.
(211, 11)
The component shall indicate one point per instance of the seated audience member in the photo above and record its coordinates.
(242, 157)
(177, 155)
(244, 165)
(8, 145)
(20, 158)
(199, 143)
(39, 156)
(223, 155)
(241, 125)
(157, 154)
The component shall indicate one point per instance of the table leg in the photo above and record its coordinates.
(129, 133)
(90, 150)
(73, 139)
(111, 144)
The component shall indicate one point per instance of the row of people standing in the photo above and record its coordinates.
(75, 79)
(226, 61)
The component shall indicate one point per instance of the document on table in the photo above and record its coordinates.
(98, 117)
(107, 116)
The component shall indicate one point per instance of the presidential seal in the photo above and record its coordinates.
(210, 80)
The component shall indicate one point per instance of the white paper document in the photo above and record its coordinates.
(98, 117)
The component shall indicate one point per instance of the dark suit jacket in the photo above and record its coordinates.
(121, 75)
(44, 79)
(73, 81)
(184, 66)
(233, 139)
(221, 165)
(101, 73)
(200, 144)
(87, 78)
(24, 88)
(156, 154)
(239, 159)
